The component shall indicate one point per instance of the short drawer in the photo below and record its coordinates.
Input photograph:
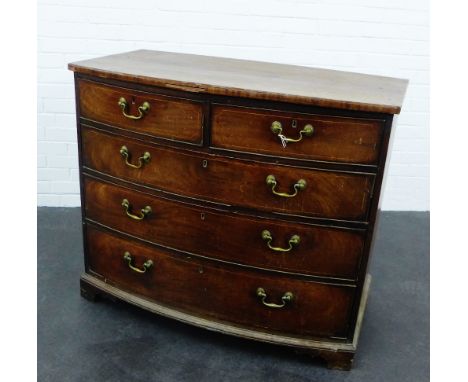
(145, 113)
(321, 137)
(224, 293)
(263, 186)
(238, 238)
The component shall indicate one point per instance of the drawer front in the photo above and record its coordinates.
(167, 117)
(321, 251)
(219, 292)
(335, 139)
(327, 194)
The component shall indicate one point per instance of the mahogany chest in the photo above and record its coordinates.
(233, 195)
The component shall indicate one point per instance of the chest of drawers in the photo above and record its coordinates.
(237, 196)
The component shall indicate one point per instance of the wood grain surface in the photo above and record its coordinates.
(322, 251)
(328, 194)
(221, 292)
(251, 79)
(334, 139)
(168, 117)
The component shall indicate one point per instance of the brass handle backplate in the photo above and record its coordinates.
(286, 298)
(146, 265)
(300, 185)
(293, 241)
(144, 212)
(142, 109)
(277, 129)
(145, 158)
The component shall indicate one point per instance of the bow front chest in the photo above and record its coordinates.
(237, 196)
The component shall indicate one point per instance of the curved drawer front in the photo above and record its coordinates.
(221, 293)
(330, 138)
(327, 194)
(160, 116)
(321, 251)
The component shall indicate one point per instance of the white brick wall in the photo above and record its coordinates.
(387, 37)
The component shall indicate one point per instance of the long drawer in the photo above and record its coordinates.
(263, 186)
(237, 238)
(248, 298)
(145, 113)
(319, 137)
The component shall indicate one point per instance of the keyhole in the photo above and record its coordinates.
(294, 123)
(205, 163)
(202, 216)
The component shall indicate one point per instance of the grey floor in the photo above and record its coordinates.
(105, 341)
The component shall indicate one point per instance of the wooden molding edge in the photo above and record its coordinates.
(95, 283)
(362, 308)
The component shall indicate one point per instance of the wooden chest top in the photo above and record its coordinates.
(251, 79)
